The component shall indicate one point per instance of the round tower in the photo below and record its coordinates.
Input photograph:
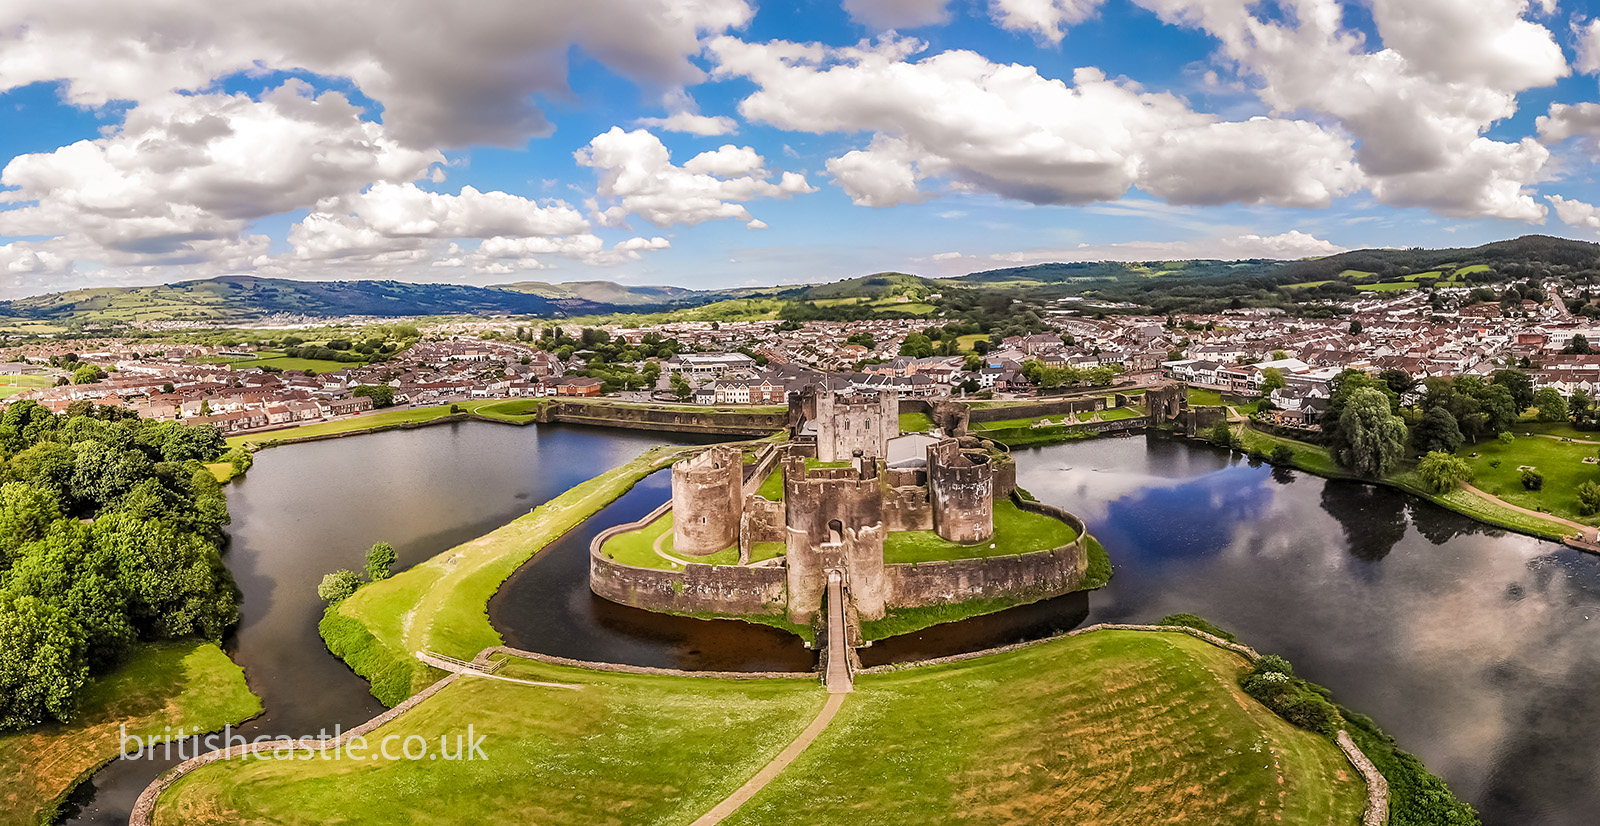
(961, 486)
(707, 501)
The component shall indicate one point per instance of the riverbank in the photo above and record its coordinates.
(949, 744)
(441, 605)
(160, 690)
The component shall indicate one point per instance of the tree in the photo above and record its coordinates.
(1282, 455)
(1552, 407)
(1519, 383)
(1272, 379)
(1372, 437)
(380, 560)
(87, 374)
(1222, 433)
(1279, 355)
(917, 345)
(338, 586)
(1355, 327)
(1532, 479)
(1588, 498)
(1437, 431)
(382, 395)
(1443, 472)
(680, 386)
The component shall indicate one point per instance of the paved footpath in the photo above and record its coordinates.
(755, 784)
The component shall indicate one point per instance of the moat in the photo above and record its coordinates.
(1472, 647)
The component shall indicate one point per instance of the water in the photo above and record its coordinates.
(1473, 647)
(304, 510)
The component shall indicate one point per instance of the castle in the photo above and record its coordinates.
(850, 482)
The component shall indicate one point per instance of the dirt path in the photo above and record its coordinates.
(755, 784)
(1587, 533)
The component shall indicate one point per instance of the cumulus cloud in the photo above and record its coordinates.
(1569, 121)
(189, 172)
(703, 125)
(1413, 107)
(1285, 246)
(1588, 35)
(898, 14)
(1008, 130)
(1046, 19)
(446, 74)
(637, 173)
(1576, 213)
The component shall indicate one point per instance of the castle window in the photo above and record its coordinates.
(835, 532)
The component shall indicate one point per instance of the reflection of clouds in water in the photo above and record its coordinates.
(1473, 647)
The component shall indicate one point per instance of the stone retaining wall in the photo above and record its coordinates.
(144, 807)
(698, 588)
(649, 417)
(1377, 813)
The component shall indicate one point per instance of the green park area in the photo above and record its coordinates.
(516, 410)
(1111, 727)
(274, 359)
(12, 385)
(1204, 398)
(440, 605)
(1496, 467)
(1016, 531)
(1387, 286)
(160, 688)
(967, 342)
(651, 547)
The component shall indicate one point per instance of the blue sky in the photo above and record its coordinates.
(495, 143)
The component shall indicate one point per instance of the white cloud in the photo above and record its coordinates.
(703, 125)
(1289, 245)
(1005, 129)
(898, 14)
(1581, 120)
(1588, 35)
(636, 171)
(189, 172)
(1576, 213)
(755, 223)
(1488, 179)
(446, 77)
(1047, 19)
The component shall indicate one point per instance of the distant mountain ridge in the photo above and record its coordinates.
(240, 298)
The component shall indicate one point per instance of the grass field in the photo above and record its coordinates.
(516, 410)
(915, 423)
(772, 487)
(1112, 727)
(268, 358)
(1560, 462)
(1016, 531)
(967, 342)
(1387, 287)
(1204, 398)
(638, 548)
(440, 605)
(12, 385)
(182, 685)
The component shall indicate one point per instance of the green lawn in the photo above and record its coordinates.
(440, 605)
(915, 423)
(1204, 398)
(267, 358)
(1388, 286)
(170, 686)
(1356, 274)
(967, 342)
(772, 487)
(1560, 462)
(12, 385)
(624, 748)
(1305, 284)
(638, 548)
(1016, 531)
(1112, 727)
(516, 410)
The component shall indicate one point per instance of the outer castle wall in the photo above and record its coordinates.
(1023, 578)
(709, 589)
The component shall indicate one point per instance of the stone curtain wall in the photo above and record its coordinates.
(1033, 410)
(645, 417)
(907, 509)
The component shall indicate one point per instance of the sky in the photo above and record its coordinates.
(722, 143)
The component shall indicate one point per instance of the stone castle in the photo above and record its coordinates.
(849, 480)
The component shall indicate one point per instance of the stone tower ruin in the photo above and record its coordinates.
(850, 424)
(961, 487)
(708, 498)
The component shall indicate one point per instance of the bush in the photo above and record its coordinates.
(338, 586)
(1505, 437)
(1532, 479)
(1198, 623)
(1272, 682)
(1282, 455)
(1588, 498)
(1417, 797)
(1442, 472)
(380, 560)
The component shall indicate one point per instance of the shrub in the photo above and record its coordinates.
(1198, 623)
(1257, 456)
(1417, 797)
(1505, 437)
(338, 586)
(1272, 682)
(380, 559)
(1588, 498)
(1282, 455)
(1532, 479)
(1442, 472)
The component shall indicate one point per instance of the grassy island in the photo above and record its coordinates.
(1110, 727)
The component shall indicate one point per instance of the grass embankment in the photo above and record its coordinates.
(441, 605)
(1316, 459)
(639, 548)
(160, 688)
(516, 410)
(1113, 727)
(624, 749)
(1016, 531)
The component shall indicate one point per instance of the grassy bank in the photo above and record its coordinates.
(639, 548)
(516, 410)
(441, 605)
(1016, 531)
(160, 688)
(1316, 459)
(1105, 728)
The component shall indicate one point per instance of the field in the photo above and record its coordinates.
(1112, 727)
(1204, 398)
(12, 385)
(516, 410)
(1387, 287)
(967, 342)
(267, 358)
(772, 487)
(183, 685)
(1016, 531)
(440, 605)
(1560, 462)
(915, 423)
